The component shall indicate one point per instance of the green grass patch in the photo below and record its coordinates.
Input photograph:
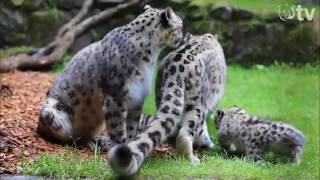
(279, 92)
(57, 68)
(260, 6)
(5, 53)
(68, 165)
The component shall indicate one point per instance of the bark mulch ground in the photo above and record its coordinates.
(21, 95)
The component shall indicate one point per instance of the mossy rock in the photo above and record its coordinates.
(13, 25)
(195, 13)
(44, 24)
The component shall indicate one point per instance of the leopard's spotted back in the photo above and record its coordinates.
(201, 61)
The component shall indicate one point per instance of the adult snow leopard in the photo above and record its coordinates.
(105, 83)
(190, 84)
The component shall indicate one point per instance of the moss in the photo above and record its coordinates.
(5, 53)
(48, 15)
(43, 23)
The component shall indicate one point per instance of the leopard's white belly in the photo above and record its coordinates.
(139, 89)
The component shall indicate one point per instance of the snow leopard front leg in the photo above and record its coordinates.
(134, 114)
(115, 112)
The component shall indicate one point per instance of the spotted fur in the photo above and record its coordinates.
(240, 133)
(190, 84)
(104, 85)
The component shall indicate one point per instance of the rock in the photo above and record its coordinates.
(64, 4)
(242, 14)
(44, 24)
(77, 3)
(272, 18)
(221, 12)
(81, 42)
(227, 13)
(12, 26)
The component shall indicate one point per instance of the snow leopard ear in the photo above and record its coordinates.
(218, 118)
(146, 7)
(220, 113)
(165, 17)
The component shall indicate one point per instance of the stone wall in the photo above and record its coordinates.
(247, 38)
(29, 22)
(35, 22)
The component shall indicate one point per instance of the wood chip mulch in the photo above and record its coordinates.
(21, 95)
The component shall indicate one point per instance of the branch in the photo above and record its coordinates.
(93, 20)
(54, 51)
(82, 13)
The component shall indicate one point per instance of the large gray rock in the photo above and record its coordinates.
(227, 13)
(81, 42)
(221, 12)
(242, 14)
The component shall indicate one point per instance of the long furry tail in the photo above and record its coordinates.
(296, 136)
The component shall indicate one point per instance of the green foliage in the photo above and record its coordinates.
(5, 53)
(41, 23)
(68, 165)
(260, 6)
(51, 4)
(57, 68)
(17, 2)
(280, 92)
(48, 15)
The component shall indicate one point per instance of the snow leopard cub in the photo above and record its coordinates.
(238, 132)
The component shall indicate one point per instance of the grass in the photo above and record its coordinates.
(279, 92)
(69, 164)
(259, 6)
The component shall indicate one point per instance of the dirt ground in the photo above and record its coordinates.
(21, 95)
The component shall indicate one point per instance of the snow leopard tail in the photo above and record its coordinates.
(126, 159)
(295, 136)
